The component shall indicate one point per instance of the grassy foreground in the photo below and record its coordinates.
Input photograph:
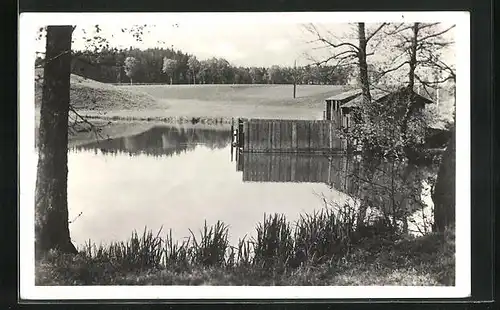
(319, 249)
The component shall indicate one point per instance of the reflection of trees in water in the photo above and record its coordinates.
(163, 141)
(393, 189)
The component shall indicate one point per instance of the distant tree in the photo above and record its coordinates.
(118, 74)
(245, 77)
(274, 74)
(169, 66)
(254, 74)
(265, 75)
(224, 71)
(203, 73)
(130, 67)
(194, 67)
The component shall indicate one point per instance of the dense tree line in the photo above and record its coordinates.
(168, 66)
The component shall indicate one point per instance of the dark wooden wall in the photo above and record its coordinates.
(265, 135)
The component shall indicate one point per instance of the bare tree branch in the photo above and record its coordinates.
(315, 31)
(398, 29)
(382, 73)
(424, 84)
(423, 26)
(340, 44)
(375, 32)
(55, 57)
(436, 34)
(94, 128)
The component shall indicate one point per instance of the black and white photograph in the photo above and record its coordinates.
(277, 155)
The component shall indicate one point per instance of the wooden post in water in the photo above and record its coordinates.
(232, 138)
(294, 78)
(232, 131)
(330, 133)
(240, 133)
(330, 160)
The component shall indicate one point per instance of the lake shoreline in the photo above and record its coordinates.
(423, 261)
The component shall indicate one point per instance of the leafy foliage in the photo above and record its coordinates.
(130, 66)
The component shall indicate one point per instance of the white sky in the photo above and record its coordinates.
(242, 39)
(251, 44)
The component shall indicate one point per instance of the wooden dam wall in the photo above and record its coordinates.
(270, 135)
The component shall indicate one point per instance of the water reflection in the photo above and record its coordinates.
(396, 190)
(164, 141)
(289, 167)
(180, 176)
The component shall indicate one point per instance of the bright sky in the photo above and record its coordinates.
(245, 44)
(242, 39)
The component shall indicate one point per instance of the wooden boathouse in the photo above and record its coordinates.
(333, 104)
(298, 136)
(338, 108)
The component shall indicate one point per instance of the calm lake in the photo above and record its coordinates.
(178, 177)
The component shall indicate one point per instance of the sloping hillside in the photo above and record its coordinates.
(88, 94)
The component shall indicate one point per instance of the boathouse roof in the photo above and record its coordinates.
(344, 95)
(378, 95)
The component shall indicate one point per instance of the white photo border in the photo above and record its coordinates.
(30, 22)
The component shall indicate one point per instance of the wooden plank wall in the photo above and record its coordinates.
(268, 135)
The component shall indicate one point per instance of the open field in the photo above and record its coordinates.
(181, 103)
(226, 101)
(253, 94)
(172, 102)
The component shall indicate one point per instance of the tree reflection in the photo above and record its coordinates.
(162, 141)
(392, 191)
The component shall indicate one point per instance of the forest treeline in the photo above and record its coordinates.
(169, 66)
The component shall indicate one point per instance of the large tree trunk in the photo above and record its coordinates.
(443, 195)
(51, 205)
(363, 66)
(409, 96)
(359, 115)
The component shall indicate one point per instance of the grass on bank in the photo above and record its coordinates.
(319, 249)
(87, 94)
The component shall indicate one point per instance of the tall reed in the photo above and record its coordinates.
(175, 252)
(211, 248)
(138, 252)
(273, 246)
(315, 238)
